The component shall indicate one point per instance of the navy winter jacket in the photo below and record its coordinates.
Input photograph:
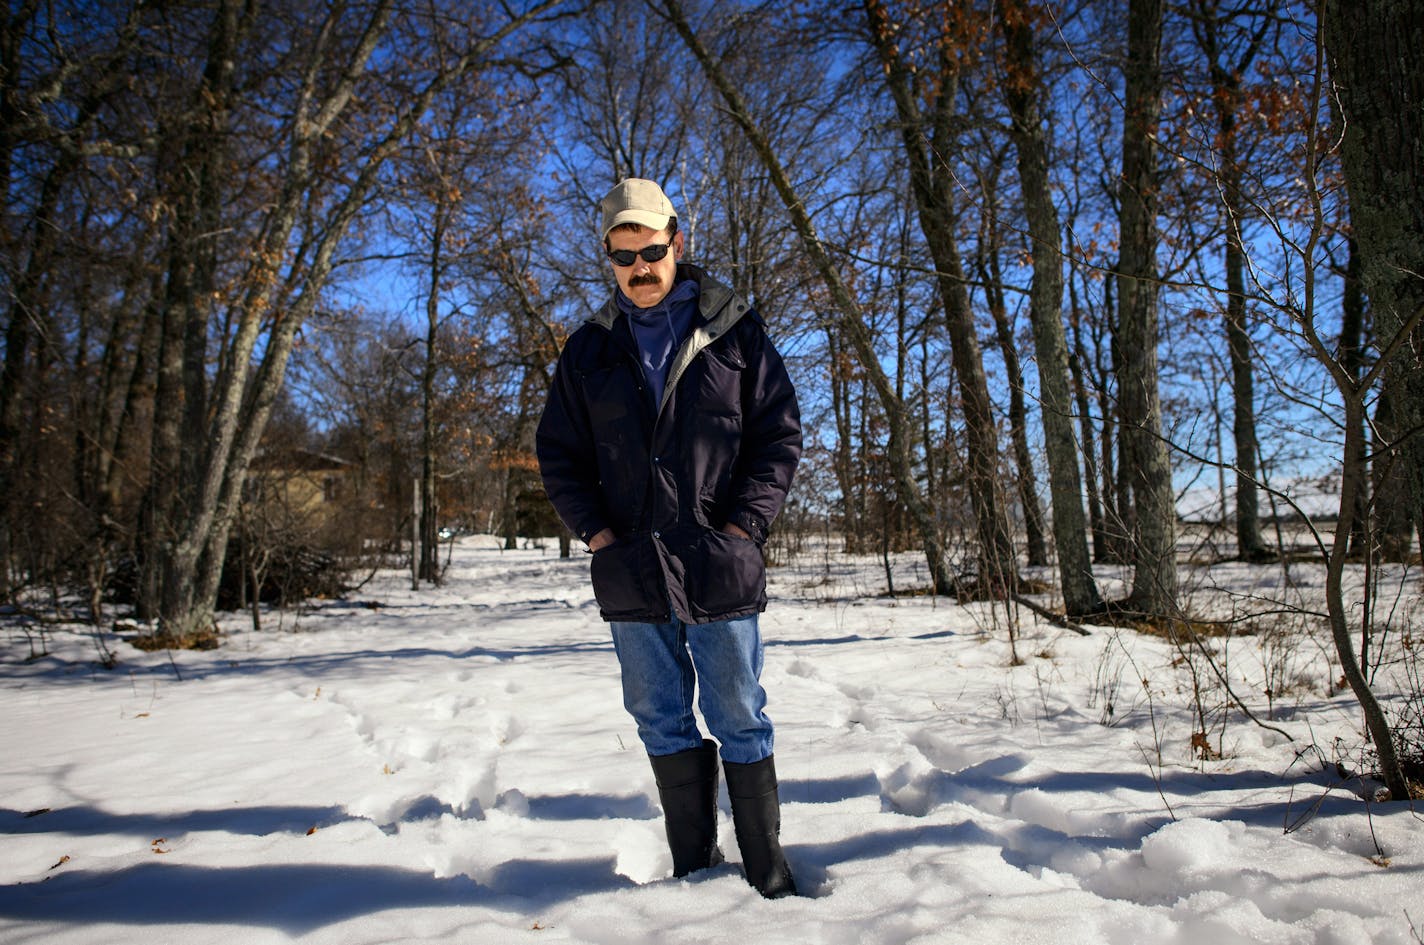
(721, 447)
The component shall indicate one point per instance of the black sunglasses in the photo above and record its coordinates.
(651, 253)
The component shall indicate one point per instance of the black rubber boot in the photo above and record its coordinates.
(687, 788)
(756, 811)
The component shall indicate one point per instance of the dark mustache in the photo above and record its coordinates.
(647, 279)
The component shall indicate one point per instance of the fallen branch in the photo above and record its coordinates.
(1058, 620)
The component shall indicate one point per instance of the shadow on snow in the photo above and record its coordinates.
(296, 898)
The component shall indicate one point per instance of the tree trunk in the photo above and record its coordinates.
(1022, 88)
(194, 180)
(844, 457)
(1376, 53)
(1377, 67)
(1352, 359)
(428, 552)
(25, 317)
(1090, 464)
(1035, 532)
(927, 138)
(1352, 481)
(1154, 582)
(1226, 98)
(1088, 441)
(1250, 546)
(933, 479)
(1117, 491)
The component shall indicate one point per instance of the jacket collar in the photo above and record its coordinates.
(718, 309)
(716, 302)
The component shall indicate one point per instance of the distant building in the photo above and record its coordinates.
(299, 489)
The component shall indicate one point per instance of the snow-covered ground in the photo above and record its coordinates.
(455, 766)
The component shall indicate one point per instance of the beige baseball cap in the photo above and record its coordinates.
(636, 201)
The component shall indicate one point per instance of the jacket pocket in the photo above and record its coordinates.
(620, 577)
(725, 576)
(721, 389)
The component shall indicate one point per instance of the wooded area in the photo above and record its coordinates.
(1045, 273)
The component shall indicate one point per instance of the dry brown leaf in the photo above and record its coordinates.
(1202, 746)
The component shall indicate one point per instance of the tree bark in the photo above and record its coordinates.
(428, 567)
(1376, 57)
(1352, 359)
(1022, 88)
(1096, 512)
(1154, 582)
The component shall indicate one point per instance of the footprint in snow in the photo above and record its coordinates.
(914, 788)
(505, 729)
(803, 669)
(857, 716)
(447, 707)
(421, 745)
(945, 753)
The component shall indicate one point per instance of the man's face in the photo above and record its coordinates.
(643, 282)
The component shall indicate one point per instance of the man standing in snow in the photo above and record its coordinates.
(668, 444)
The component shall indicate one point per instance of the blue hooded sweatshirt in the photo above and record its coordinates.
(660, 330)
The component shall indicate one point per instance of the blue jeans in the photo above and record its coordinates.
(662, 662)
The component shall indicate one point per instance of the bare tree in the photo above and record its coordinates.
(277, 290)
(1154, 583)
(1229, 55)
(987, 264)
(1376, 52)
(52, 291)
(849, 318)
(1376, 56)
(1023, 86)
(925, 92)
(456, 163)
